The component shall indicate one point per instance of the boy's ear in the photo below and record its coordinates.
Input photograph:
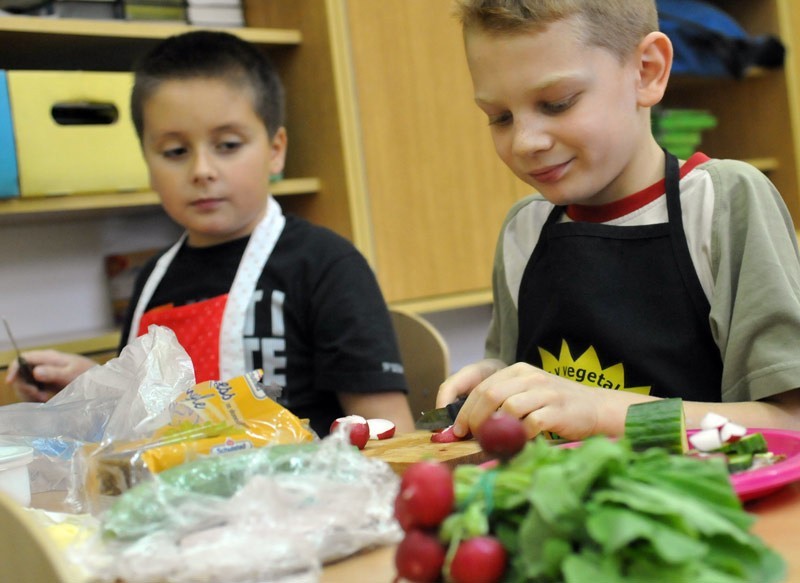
(654, 56)
(277, 155)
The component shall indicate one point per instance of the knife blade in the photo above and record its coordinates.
(25, 369)
(440, 418)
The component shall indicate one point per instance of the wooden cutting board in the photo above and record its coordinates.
(403, 450)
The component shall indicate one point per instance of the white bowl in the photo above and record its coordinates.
(14, 478)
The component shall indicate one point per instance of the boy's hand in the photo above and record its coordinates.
(545, 402)
(466, 379)
(52, 369)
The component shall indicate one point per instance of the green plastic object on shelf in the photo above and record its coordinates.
(680, 130)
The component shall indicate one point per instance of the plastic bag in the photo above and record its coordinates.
(272, 514)
(214, 417)
(126, 398)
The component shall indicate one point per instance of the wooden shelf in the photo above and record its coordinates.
(135, 30)
(102, 341)
(43, 43)
(113, 201)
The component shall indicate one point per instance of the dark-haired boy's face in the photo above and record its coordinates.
(210, 157)
(563, 115)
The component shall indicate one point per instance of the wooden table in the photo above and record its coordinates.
(778, 516)
(778, 524)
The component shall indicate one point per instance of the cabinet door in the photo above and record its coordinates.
(437, 193)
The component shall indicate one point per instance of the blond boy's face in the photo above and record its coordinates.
(563, 116)
(210, 158)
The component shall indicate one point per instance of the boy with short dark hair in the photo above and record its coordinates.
(246, 287)
(630, 270)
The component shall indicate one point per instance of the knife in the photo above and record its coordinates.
(25, 368)
(440, 418)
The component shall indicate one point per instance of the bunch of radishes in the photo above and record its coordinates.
(425, 501)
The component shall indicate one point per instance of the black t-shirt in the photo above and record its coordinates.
(321, 323)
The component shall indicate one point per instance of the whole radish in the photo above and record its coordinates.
(478, 560)
(426, 495)
(502, 435)
(419, 557)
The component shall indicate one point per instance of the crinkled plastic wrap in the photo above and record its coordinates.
(127, 398)
(270, 514)
(214, 417)
(139, 414)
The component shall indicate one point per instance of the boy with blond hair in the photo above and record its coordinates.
(630, 275)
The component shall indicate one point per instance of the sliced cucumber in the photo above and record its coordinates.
(740, 462)
(657, 424)
(753, 443)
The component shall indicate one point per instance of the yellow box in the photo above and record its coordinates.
(74, 132)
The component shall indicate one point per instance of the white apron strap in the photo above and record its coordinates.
(256, 255)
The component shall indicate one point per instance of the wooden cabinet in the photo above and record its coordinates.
(386, 146)
(427, 192)
(42, 43)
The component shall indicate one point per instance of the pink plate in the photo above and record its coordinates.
(757, 483)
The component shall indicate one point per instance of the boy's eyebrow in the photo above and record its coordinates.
(543, 84)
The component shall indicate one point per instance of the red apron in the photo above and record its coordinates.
(197, 328)
(212, 331)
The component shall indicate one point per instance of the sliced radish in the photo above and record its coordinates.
(712, 420)
(706, 440)
(380, 428)
(446, 435)
(357, 427)
(731, 432)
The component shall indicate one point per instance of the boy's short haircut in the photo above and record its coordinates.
(616, 25)
(212, 55)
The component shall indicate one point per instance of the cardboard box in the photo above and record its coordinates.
(8, 158)
(74, 132)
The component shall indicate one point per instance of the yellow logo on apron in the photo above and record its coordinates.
(587, 370)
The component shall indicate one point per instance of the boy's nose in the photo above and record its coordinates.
(531, 137)
(203, 169)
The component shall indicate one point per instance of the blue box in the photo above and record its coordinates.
(9, 182)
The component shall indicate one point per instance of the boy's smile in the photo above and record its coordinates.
(564, 116)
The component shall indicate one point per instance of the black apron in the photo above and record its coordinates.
(620, 307)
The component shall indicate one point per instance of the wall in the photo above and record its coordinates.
(52, 280)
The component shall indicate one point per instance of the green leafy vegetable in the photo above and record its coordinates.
(603, 512)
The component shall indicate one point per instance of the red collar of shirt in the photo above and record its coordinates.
(619, 208)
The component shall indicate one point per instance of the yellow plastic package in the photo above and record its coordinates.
(213, 417)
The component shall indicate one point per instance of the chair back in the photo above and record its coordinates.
(425, 356)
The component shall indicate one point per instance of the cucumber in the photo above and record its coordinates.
(739, 462)
(753, 443)
(657, 424)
